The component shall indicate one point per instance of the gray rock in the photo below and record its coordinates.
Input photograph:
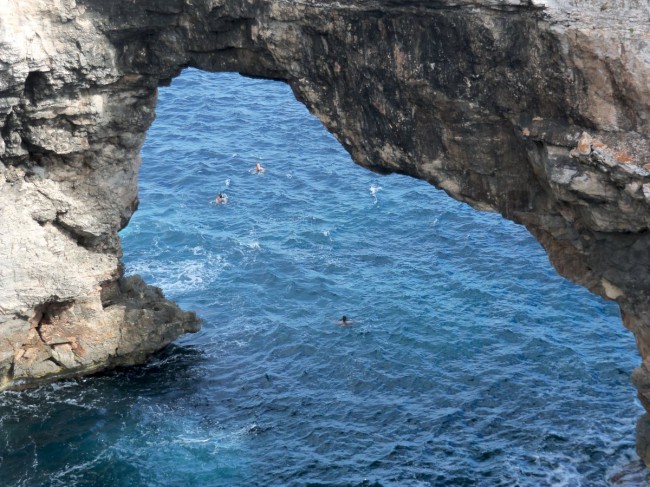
(537, 110)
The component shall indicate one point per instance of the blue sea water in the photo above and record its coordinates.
(468, 362)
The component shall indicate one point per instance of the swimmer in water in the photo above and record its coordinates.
(259, 169)
(344, 321)
(220, 200)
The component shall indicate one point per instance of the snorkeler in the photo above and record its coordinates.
(259, 168)
(220, 199)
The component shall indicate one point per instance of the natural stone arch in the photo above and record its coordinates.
(491, 102)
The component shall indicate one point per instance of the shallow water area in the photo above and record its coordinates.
(468, 362)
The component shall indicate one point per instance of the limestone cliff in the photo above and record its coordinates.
(539, 110)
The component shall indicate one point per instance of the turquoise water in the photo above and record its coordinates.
(468, 362)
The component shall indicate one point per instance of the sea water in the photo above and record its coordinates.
(468, 361)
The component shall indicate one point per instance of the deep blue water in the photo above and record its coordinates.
(469, 361)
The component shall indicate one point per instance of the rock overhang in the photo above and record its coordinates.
(537, 110)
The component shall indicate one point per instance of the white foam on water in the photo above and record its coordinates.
(374, 189)
(186, 441)
(67, 384)
(220, 439)
(251, 243)
(68, 474)
(227, 183)
(182, 275)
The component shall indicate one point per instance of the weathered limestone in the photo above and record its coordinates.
(68, 183)
(539, 110)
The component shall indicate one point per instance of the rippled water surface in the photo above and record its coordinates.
(468, 362)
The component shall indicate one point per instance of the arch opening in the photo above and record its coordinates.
(462, 327)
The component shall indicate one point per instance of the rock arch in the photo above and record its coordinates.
(537, 110)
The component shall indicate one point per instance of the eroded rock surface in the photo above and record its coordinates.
(538, 110)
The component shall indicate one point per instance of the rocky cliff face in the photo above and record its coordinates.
(539, 110)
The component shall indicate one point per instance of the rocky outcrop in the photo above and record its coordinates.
(68, 182)
(538, 110)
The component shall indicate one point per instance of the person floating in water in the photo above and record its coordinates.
(344, 321)
(259, 169)
(220, 199)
